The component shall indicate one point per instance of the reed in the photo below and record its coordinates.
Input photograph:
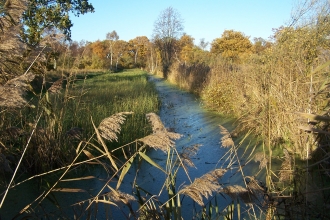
(65, 104)
(166, 203)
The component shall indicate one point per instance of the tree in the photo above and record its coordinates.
(167, 29)
(185, 46)
(42, 14)
(138, 47)
(119, 49)
(231, 45)
(112, 37)
(99, 55)
(23, 24)
(260, 45)
(203, 44)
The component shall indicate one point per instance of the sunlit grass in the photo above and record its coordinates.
(107, 94)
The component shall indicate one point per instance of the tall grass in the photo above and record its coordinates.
(66, 108)
(207, 191)
(106, 94)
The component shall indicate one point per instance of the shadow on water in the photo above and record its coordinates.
(182, 113)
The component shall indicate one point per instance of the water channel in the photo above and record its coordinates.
(183, 113)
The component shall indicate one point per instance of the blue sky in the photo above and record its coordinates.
(202, 18)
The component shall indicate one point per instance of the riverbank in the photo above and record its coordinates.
(157, 167)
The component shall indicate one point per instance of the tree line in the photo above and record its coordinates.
(29, 27)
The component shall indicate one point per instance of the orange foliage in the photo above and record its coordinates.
(100, 49)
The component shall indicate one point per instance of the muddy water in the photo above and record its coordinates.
(181, 112)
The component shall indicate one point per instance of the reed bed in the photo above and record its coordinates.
(66, 104)
(207, 191)
(282, 96)
(108, 94)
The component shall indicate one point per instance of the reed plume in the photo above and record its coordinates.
(117, 196)
(261, 157)
(56, 87)
(226, 140)
(255, 189)
(204, 186)
(74, 133)
(237, 192)
(109, 127)
(160, 138)
(12, 93)
(187, 153)
(11, 44)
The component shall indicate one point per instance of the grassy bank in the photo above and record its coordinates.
(63, 112)
(106, 94)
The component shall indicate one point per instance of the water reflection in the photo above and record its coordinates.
(182, 113)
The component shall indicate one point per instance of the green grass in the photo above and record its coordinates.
(103, 95)
(84, 97)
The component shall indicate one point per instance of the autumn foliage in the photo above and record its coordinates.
(232, 45)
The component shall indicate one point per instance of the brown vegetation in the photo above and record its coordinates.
(277, 90)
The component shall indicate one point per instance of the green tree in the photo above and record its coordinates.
(231, 45)
(42, 14)
(167, 29)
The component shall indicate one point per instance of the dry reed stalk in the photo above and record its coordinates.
(112, 125)
(227, 141)
(56, 87)
(161, 138)
(204, 186)
(62, 176)
(286, 172)
(117, 196)
(20, 161)
(74, 133)
(150, 209)
(255, 189)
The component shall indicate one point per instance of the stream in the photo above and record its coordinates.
(182, 113)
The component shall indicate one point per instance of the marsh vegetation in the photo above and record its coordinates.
(59, 115)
